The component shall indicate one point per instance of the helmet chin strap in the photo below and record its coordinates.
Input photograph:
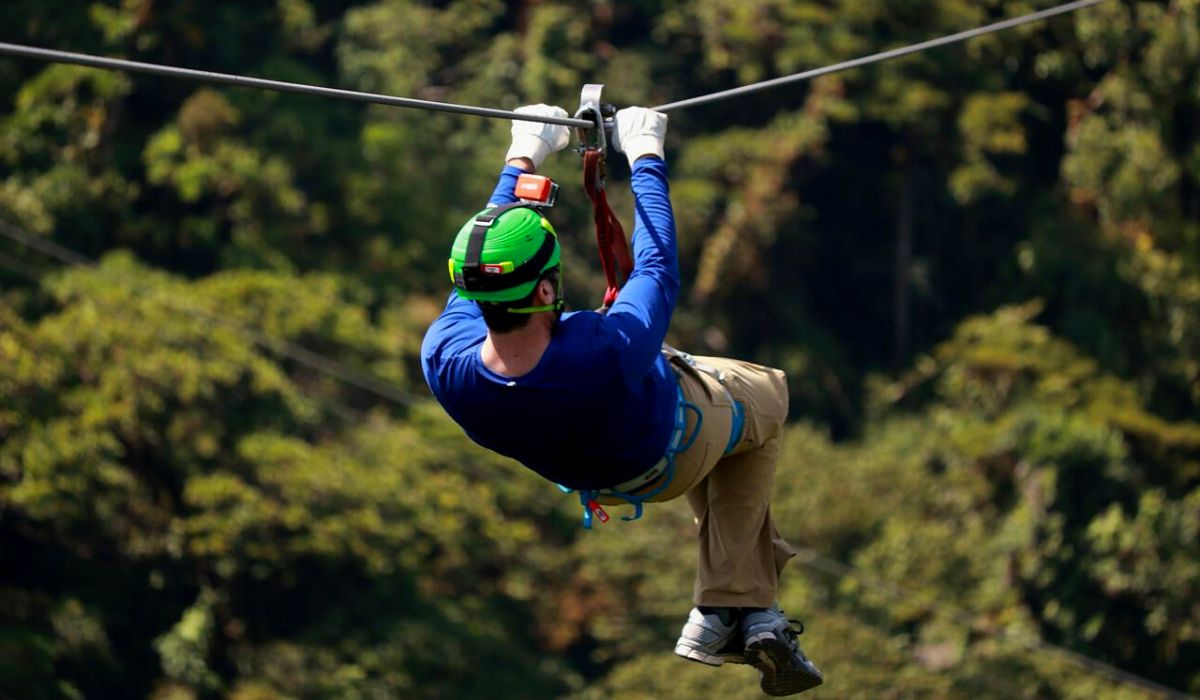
(558, 305)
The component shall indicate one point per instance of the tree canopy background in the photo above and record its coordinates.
(980, 267)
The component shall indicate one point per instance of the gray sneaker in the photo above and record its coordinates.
(772, 648)
(707, 640)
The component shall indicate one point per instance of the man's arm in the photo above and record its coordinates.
(642, 313)
(531, 143)
(505, 186)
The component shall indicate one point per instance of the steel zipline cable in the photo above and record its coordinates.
(878, 57)
(81, 59)
(203, 76)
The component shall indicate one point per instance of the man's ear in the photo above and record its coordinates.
(547, 291)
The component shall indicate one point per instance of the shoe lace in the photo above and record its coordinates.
(794, 629)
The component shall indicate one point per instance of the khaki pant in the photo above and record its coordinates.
(741, 552)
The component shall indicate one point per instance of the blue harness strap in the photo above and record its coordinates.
(739, 424)
(588, 497)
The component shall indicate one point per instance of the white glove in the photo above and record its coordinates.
(536, 140)
(639, 132)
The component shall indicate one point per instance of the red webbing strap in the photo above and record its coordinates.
(610, 235)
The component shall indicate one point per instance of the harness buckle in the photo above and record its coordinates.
(598, 509)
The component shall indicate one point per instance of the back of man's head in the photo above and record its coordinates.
(501, 317)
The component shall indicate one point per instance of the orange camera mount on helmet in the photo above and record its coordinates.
(536, 190)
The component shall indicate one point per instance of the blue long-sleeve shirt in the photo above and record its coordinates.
(598, 409)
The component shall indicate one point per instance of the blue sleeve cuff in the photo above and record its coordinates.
(648, 161)
(503, 194)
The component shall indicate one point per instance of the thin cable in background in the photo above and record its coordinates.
(816, 561)
(807, 557)
(293, 351)
(20, 269)
(24, 271)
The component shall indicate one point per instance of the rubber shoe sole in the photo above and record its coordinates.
(780, 676)
(731, 653)
(700, 657)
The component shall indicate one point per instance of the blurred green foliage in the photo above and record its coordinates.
(980, 267)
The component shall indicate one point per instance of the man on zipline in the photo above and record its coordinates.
(596, 403)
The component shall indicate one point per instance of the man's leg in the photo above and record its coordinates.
(709, 637)
(741, 551)
(741, 555)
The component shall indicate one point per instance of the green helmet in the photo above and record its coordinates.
(500, 254)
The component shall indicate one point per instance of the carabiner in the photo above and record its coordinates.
(589, 109)
(599, 113)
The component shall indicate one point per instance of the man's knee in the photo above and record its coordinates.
(763, 392)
